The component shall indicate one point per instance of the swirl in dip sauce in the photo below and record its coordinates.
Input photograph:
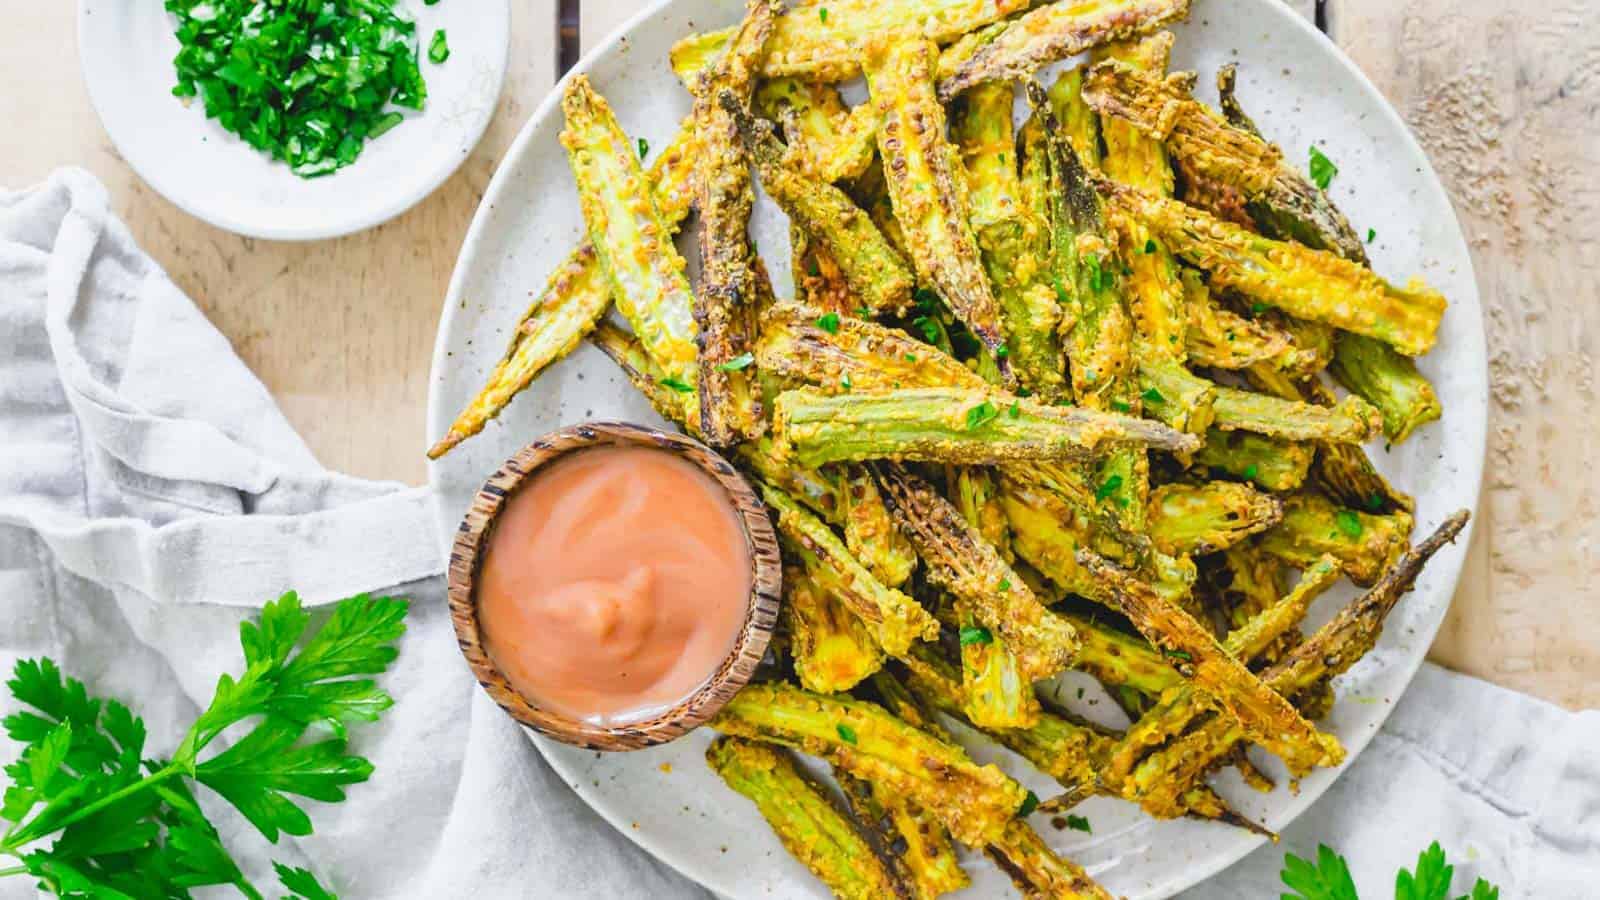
(615, 583)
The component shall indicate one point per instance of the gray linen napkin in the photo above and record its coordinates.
(152, 496)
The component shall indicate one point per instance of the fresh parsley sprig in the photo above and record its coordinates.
(1329, 879)
(121, 825)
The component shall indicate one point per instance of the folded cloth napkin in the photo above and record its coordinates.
(152, 496)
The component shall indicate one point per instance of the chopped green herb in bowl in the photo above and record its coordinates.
(308, 82)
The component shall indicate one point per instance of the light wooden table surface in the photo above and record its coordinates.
(1504, 101)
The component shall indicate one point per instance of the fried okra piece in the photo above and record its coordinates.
(572, 302)
(1352, 421)
(839, 353)
(631, 238)
(975, 802)
(876, 274)
(730, 407)
(625, 350)
(1275, 465)
(1010, 216)
(976, 493)
(1039, 872)
(1306, 283)
(960, 561)
(1328, 653)
(915, 846)
(927, 187)
(1364, 543)
(1117, 659)
(951, 425)
(896, 620)
(1220, 338)
(1155, 292)
(1265, 716)
(1374, 371)
(828, 48)
(833, 649)
(1208, 517)
(1053, 32)
(827, 140)
(869, 529)
(1181, 707)
(996, 691)
(808, 825)
(1170, 393)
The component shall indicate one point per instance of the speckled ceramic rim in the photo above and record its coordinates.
(699, 706)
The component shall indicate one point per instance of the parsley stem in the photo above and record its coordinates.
(13, 870)
(92, 808)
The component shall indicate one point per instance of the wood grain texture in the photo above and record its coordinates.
(734, 672)
(1506, 101)
(340, 331)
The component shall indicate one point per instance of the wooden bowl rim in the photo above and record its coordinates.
(734, 672)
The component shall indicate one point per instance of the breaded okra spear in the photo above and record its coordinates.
(873, 269)
(1208, 517)
(1010, 217)
(1309, 284)
(926, 185)
(1052, 32)
(1154, 290)
(1038, 872)
(952, 425)
(827, 140)
(807, 824)
(1275, 465)
(631, 238)
(726, 303)
(1265, 716)
(895, 619)
(822, 42)
(1005, 610)
(625, 350)
(833, 649)
(575, 298)
(1331, 651)
(895, 827)
(1182, 706)
(974, 802)
(1364, 543)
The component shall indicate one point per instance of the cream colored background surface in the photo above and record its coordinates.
(1506, 102)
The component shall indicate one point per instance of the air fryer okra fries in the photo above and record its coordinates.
(1048, 395)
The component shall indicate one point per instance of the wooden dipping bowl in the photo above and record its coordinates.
(730, 676)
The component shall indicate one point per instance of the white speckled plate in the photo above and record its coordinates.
(1302, 90)
(126, 50)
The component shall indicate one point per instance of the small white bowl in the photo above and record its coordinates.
(126, 50)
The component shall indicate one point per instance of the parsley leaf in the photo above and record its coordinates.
(438, 47)
(677, 384)
(975, 634)
(829, 322)
(1328, 879)
(981, 415)
(644, 150)
(1349, 523)
(1372, 234)
(302, 884)
(847, 734)
(1151, 395)
(1110, 486)
(742, 361)
(1079, 823)
(1322, 168)
(1483, 890)
(1432, 878)
(1029, 804)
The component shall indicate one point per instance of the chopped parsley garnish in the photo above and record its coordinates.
(644, 150)
(1029, 804)
(1079, 823)
(975, 634)
(1061, 292)
(307, 84)
(1348, 522)
(1150, 246)
(863, 312)
(1005, 584)
(929, 328)
(1111, 485)
(1002, 351)
(438, 48)
(1151, 395)
(1372, 235)
(1322, 168)
(829, 322)
(981, 415)
(677, 384)
(844, 381)
(822, 15)
(742, 361)
(1257, 308)
(847, 734)
(1178, 654)
(1015, 411)
(1099, 278)
(1375, 502)
(911, 357)
(1251, 471)
(1121, 406)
